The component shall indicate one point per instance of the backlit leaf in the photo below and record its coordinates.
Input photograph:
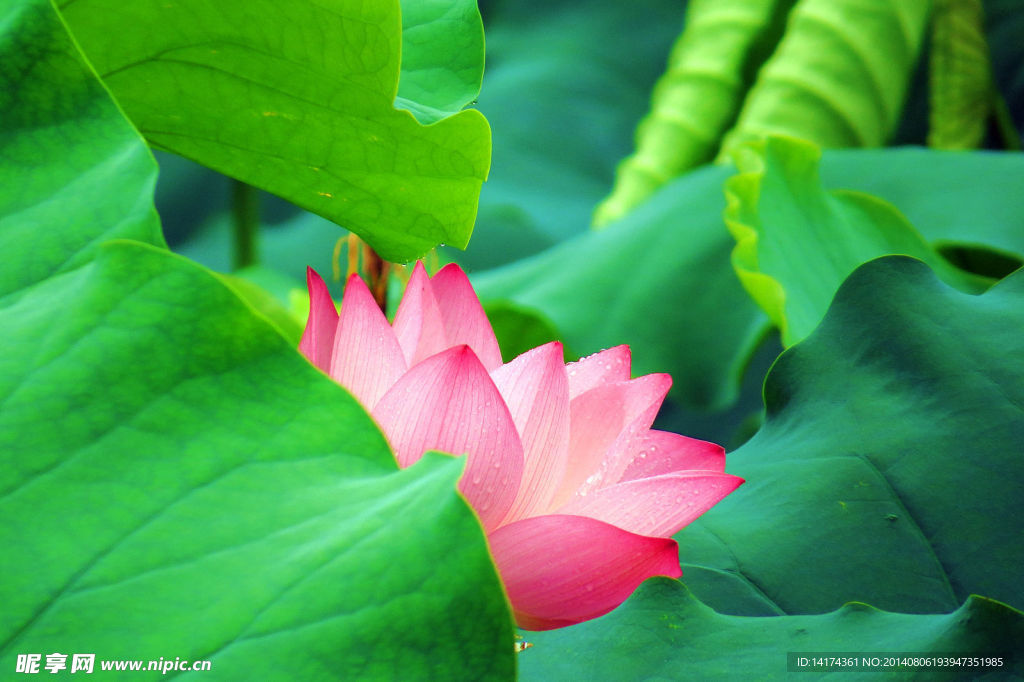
(697, 99)
(960, 86)
(795, 243)
(838, 76)
(297, 98)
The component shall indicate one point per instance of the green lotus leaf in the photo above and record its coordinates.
(838, 76)
(712, 66)
(298, 98)
(954, 198)
(664, 633)
(177, 481)
(796, 243)
(961, 86)
(889, 466)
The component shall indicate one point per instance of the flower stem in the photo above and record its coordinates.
(377, 272)
(245, 208)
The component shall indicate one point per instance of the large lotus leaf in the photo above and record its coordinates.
(838, 76)
(954, 198)
(245, 505)
(664, 633)
(176, 478)
(889, 466)
(298, 98)
(960, 85)
(697, 99)
(796, 243)
(658, 280)
(64, 145)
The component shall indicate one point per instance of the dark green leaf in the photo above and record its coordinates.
(563, 100)
(286, 247)
(688, 318)
(1004, 21)
(520, 329)
(664, 633)
(889, 467)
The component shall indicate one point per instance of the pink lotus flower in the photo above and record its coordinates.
(578, 496)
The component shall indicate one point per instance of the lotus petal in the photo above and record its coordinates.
(449, 403)
(463, 316)
(663, 452)
(367, 359)
(559, 570)
(418, 324)
(536, 389)
(595, 370)
(657, 506)
(318, 337)
(604, 422)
